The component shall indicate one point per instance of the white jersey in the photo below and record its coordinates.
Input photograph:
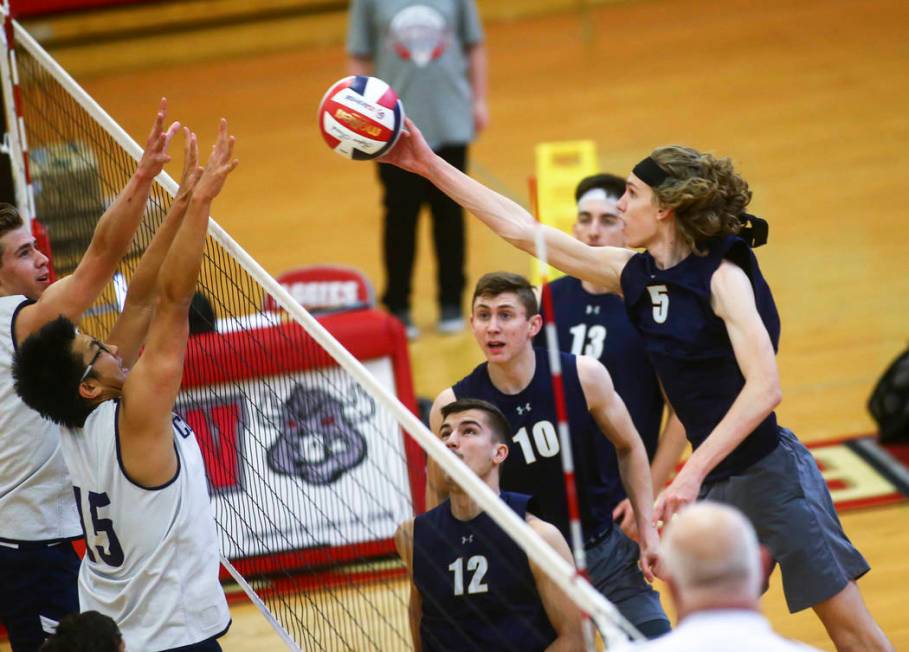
(152, 558)
(36, 496)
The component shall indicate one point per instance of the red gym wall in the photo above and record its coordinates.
(22, 9)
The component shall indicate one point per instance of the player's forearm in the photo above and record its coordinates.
(635, 475)
(143, 285)
(505, 217)
(754, 403)
(131, 327)
(669, 451)
(117, 226)
(181, 265)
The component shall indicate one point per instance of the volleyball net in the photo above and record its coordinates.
(312, 459)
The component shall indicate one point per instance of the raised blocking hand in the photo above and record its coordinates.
(219, 165)
(155, 155)
(191, 169)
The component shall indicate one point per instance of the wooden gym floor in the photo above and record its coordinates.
(808, 98)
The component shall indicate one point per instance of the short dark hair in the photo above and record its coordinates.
(48, 373)
(497, 422)
(89, 631)
(496, 283)
(10, 220)
(613, 185)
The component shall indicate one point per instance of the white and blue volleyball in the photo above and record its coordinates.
(361, 117)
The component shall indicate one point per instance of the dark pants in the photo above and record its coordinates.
(34, 584)
(405, 194)
(208, 645)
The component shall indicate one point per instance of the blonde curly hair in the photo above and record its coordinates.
(706, 193)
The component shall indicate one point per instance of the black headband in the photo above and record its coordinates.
(754, 230)
(650, 173)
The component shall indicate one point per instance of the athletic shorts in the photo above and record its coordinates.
(786, 499)
(38, 586)
(614, 572)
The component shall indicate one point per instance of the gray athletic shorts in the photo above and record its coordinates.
(613, 567)
(786, 499)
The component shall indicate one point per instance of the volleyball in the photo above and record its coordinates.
(361, 117)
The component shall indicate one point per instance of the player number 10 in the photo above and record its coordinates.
(545, 441)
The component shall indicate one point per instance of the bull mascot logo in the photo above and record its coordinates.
(319, 441)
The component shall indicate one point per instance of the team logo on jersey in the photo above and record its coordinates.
(217, 424)
(523, 408)
(466, 539)
(592, 310)
(319, 441)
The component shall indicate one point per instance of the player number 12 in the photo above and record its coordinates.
(478, 565)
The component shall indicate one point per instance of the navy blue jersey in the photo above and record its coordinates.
(598, 325)
(534, 462)
(689, 346)
(476, 585)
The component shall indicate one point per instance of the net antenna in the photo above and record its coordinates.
(612, 632)
(15, 143)
(303, 443)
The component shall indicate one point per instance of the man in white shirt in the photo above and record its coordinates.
(712, 563)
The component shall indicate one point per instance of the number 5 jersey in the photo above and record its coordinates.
(152, 556)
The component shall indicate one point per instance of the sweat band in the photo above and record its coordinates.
(650, 173)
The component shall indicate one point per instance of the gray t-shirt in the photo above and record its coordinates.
(419, 47)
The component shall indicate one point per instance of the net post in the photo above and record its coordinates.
(12, 108)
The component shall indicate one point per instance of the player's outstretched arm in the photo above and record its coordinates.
(599, 265)
(131, 327)
(436, 491)
(151, 388)
(608, 410)
(732, 299)
(562, 612)
(404, 545)
(113, 234)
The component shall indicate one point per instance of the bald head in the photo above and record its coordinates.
(710, 552)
